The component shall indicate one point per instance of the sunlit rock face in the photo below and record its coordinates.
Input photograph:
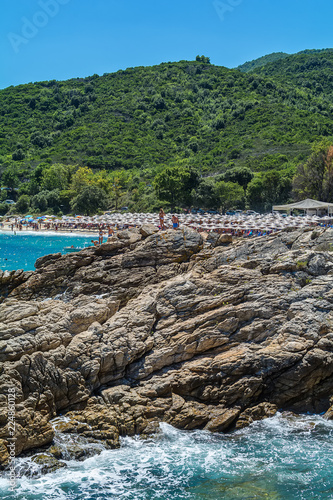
(166, 326)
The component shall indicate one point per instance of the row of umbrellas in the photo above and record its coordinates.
(205, 222)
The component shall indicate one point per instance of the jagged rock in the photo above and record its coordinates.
(9, 280)
(158, 328)
(259, 412)
(329, 413)
(148, 230)
(74, 447)
(211, 239)
(47, 260)
(224, 239)
(47, 464)
(4, 452)
(121, 267)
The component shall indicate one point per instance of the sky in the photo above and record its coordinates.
(61, 39)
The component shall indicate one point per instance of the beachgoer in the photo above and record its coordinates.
(100, 237)
(94, 242)
(175, 222)
(161, 217)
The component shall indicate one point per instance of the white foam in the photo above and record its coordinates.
(283, 452)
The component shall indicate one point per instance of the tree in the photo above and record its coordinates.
(4, 208)
(81, 179)
(254, 193)
(203, 59)
(89, 200)
(56, 176)
(18, 155)
(314, 178)
(39, 201)
(205, 194)
(241, 175)
(10, 179)
(116, 190)
(268, 189)
(22, 204)
(229, 194)
(175, 184)
(102, 180)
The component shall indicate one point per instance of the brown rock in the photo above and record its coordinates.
(160, 329)
(4, 453)
(221, 420)
(224, 239)
(148, 229)
(259, 412)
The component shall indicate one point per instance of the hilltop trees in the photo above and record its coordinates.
(203, 59)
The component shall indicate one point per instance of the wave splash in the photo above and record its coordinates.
(283, 457)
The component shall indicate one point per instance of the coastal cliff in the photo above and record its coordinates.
(166, 326)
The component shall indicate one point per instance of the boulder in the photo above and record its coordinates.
(148, 229)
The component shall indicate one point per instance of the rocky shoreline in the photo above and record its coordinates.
(166, 326)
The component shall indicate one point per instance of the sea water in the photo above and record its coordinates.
(21, 249)
(281, 458)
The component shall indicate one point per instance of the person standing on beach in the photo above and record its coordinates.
(161, 216)
(175, 222)
(100, 239)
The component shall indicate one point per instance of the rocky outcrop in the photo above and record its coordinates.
(166, 327)
(120, 268)
(10, 280)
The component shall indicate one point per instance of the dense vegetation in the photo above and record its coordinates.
(174, 135)
(261, 61)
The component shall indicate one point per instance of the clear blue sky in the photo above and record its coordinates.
(61, 39)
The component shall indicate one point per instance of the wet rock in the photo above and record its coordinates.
(329, 413)
(259, 412)
(47, 464)
(4, 453)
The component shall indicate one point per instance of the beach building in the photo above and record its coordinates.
(309, 206)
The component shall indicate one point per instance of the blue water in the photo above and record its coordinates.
(281, 458)
(20, 250)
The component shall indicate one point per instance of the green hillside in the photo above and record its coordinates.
(203, 122)
(261, 61)
(310, 70)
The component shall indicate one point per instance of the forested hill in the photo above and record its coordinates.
(261, 61)
(189, 113)
(307, 70)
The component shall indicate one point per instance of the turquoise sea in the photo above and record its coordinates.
(280, 458)
(21, 249)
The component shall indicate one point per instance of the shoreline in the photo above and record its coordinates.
(49, 232)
